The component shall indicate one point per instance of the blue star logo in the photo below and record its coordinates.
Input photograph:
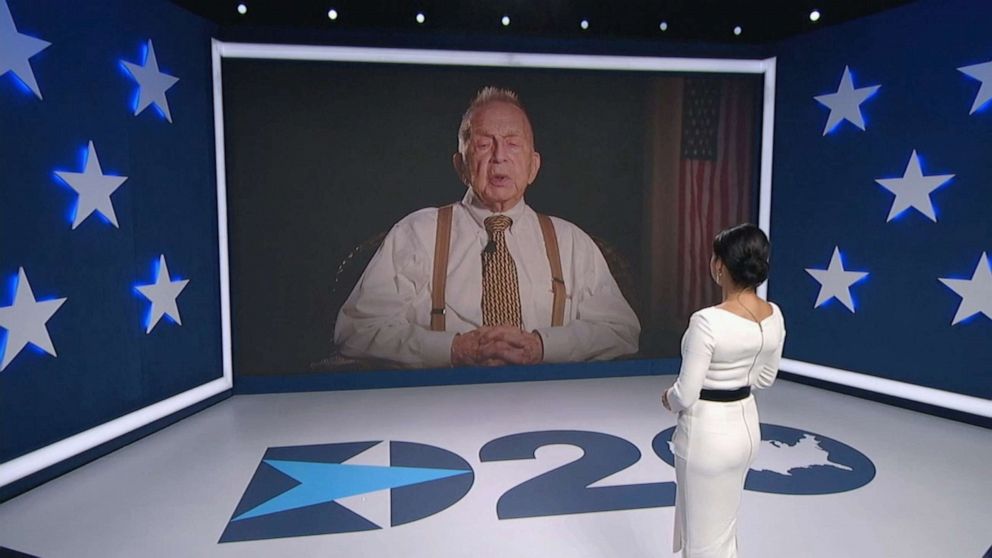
(327, 482)
(346, 487)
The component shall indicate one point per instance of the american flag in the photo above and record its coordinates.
(716, 175)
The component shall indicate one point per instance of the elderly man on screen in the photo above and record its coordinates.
(487, 281)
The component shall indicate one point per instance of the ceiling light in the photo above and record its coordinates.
(737, 30)
(814, 15)
(505, 21)
(421, 17)
(332, 14)
(242, 9)
(663, 26)
(584, 24)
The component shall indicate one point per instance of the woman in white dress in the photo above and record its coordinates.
(726, 350)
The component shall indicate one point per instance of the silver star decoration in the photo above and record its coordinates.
(845, 104)
(835, 281)
(94, 189)
(975, 293)
(16, 49)
(25, 320)
(983, 73)
(913, 189)
(162, 293)
(152, 84)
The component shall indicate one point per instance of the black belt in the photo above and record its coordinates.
(725, 394)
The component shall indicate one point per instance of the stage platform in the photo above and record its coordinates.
(572, 468)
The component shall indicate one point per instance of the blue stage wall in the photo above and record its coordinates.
(106, 365)
(825, 195)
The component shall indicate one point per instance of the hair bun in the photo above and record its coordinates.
(744, 251)
(753, 270)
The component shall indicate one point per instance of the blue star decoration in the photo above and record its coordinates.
(162, 294)
(836, 282)
(975, 293)
(913, 189)
(983, 73)
(152, 83)
(16, 50)
(845, 104)
(326, 482)
(94, 189)
(26, 321)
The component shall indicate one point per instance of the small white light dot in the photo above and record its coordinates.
(332, 14)
(584, 24)
(505, 21)
(737, 30)
(242, 9)
(663, 26)
(814, 15)
(421, 18)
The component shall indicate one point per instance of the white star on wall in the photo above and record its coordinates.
(845, 104)
(983, 73)
(975, 293)
(835, 281)
(25, 320)
(16, 49)
(162, 293)
(913, 189)
(94, 189)
(152, 84)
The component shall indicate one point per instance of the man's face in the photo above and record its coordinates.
(499, 161)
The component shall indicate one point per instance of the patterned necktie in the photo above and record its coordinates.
(500, 290)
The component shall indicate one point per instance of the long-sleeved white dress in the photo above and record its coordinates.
(716, 442)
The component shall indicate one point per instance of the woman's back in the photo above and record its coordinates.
(742, 347)
(723, 350)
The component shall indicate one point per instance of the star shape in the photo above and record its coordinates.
(983, 73)
(975, 293)
(913, 189)
(845, 104)
(162, 293)
(25, 320)
(152, 83)
(835, 281)
(94, 189)
(16, 49)
(326, 482)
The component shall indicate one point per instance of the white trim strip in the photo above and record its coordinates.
(948, 400)
(72, 446)
(222, 232)
(499, 59)
(767, 142)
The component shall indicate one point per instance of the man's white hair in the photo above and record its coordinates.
(486, 95)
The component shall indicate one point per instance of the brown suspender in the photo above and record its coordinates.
(554, 258)
(442, 244)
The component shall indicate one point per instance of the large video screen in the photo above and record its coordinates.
(335, 171)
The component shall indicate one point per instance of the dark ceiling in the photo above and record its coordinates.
(761, 21)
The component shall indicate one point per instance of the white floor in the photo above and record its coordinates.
(174, 493)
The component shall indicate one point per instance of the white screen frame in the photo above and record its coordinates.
(221, 50)
(765, 67)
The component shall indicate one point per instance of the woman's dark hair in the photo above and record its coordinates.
(744, 251)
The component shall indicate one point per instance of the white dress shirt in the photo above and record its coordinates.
(387, 315)
(721, 350)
